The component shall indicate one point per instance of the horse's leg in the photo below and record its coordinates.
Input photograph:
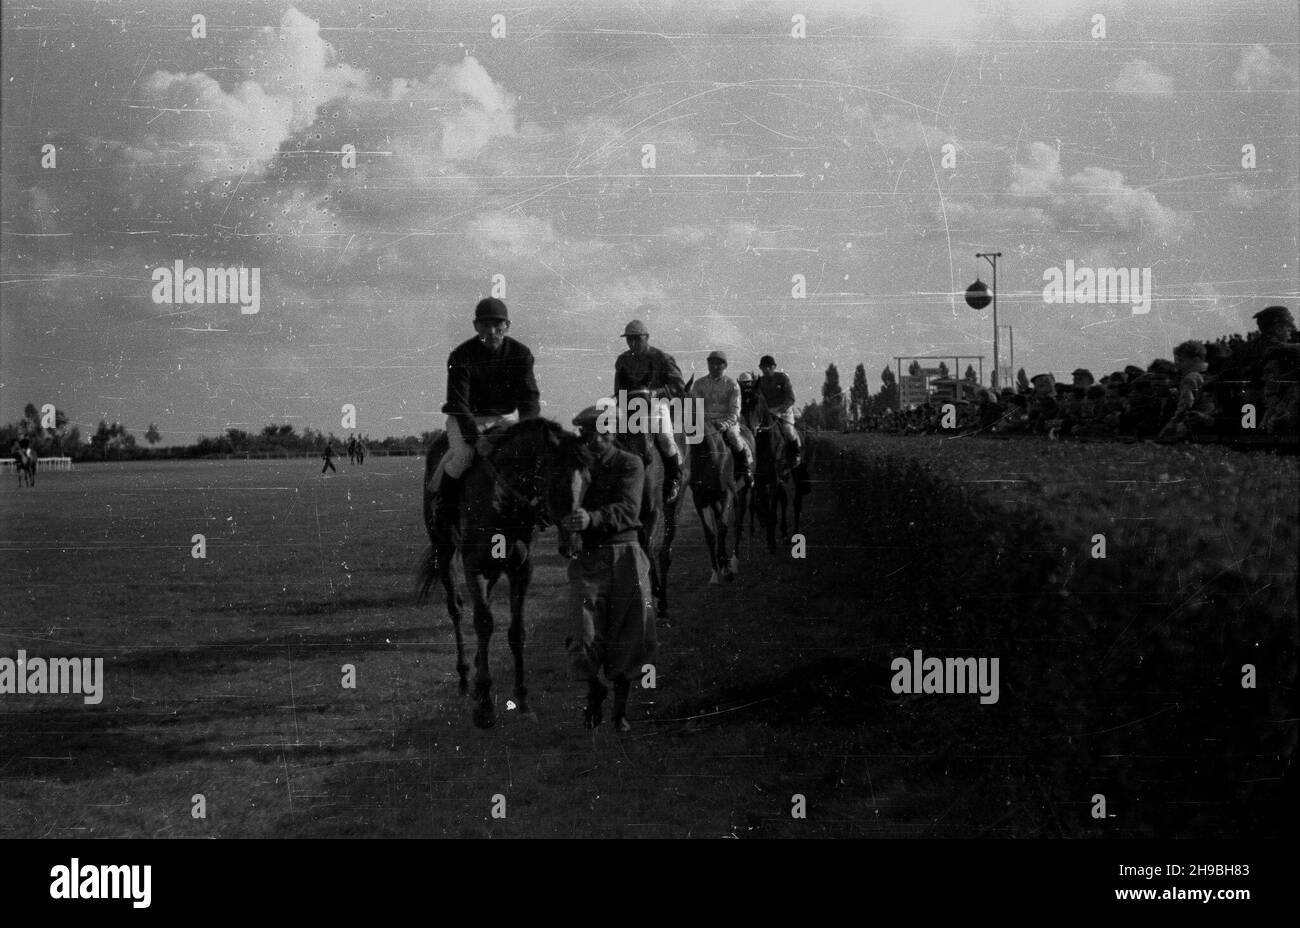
(666, 557)
(455, 609)
(484, 714)
(728, 537)
(594, 714)
(520, 576)
(711, 542)
(619, 716)
(784, 502)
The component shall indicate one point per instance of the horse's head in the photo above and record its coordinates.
(549, 466)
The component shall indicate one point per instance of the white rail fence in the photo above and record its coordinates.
(43, 463)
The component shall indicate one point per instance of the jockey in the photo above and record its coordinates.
(721, 397)
(774, 386)
(489, 380)
(644, 368)
(748, 384)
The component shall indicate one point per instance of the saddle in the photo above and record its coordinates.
(535, 507)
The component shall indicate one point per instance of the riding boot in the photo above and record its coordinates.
(672, 479)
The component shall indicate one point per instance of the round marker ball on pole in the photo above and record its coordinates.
(977, 295)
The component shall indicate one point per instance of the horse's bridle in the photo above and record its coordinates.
(535, 504)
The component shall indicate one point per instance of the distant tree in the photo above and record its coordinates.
(1022, 381)
(99, 441)
(833, 417)
(811, 419)
(887, 398)
(151, 434)
(970, 373)
(943, 370)
(859, 396)
(914, 369)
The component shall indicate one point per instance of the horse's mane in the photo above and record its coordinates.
(547, 431)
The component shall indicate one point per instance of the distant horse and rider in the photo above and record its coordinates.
(781, 479)
(25, 459)
(721, 468)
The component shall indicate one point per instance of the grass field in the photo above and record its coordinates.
(223, 678)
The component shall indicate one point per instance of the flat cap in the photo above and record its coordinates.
(718, 356)
(491, 308)
(635, 327)
(587, 417)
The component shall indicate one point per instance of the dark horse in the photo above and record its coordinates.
(719, 499)
(658, 518)
(777, 485)
(534, 475)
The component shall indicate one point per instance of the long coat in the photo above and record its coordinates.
(611, 608)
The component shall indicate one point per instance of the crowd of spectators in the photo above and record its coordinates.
(1227, 390)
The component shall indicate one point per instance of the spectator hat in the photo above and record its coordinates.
(765, 360)
(635, 327)
(718, 356)
(745, 377)
(490, 308)
(1271, 315)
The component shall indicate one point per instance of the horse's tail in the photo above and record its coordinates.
(426, 576)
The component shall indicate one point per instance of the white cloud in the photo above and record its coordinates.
(1260, 69)
(1094, 199)
(1143, 78)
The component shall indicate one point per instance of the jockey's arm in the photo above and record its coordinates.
(529, 396)
(673, 383)
(787, 397)
(457, 405)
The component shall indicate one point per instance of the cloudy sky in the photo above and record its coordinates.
(523, 155)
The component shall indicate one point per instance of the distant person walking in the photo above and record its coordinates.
(329, 458)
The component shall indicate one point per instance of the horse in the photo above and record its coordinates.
(777, 486)
(535, 474)
(719, 500)
(658, 518)
(25, 464)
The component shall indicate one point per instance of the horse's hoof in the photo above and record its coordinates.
(621, 724)
(484, 717)
(713, 579)
(591, 718)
